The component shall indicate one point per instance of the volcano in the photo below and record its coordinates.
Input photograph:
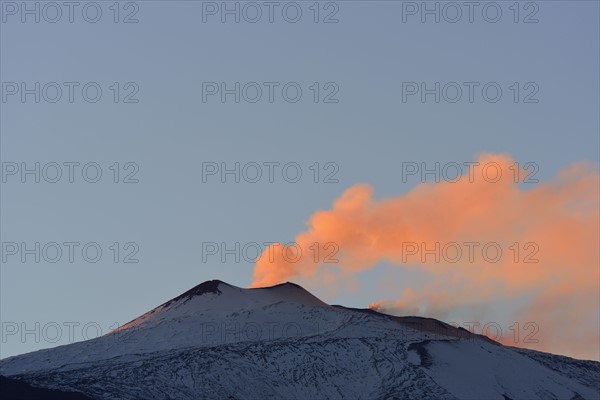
(217, 340)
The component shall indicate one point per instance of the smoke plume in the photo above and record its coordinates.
(483, 238)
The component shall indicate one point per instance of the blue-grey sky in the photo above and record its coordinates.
(169, 133)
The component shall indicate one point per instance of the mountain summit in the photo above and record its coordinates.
(217, 340)
(214, 297)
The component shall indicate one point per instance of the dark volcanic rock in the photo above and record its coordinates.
(14, 389)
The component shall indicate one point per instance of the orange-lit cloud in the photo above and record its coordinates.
(556, 223)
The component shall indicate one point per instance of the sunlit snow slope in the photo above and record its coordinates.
(220, 341)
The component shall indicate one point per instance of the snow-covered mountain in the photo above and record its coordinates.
(218, 341)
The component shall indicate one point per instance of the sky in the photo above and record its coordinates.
(145, 108)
